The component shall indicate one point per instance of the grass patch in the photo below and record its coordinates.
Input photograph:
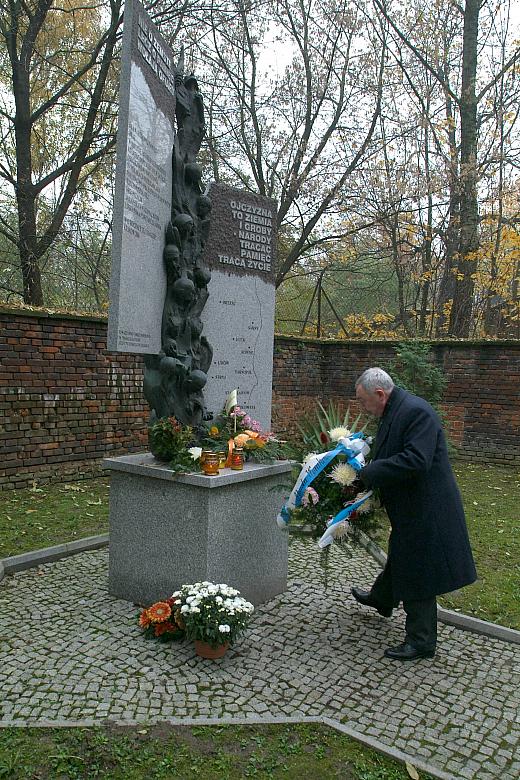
(492, 502)
(52, 514)
(211, 753)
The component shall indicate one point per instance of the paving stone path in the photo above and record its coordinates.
(69, 652)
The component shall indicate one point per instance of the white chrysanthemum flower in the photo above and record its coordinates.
(339, 530)
(365, 507)
(224, 628)
(308, 457)
(195, 452)
(335, 434)
(343, 474)
(185, 608)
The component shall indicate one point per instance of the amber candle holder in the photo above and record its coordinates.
(237, 459)
(210, 463)
(222, 456)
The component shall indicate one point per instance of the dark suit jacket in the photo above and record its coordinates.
(429, 546)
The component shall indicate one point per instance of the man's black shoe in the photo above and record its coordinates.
(407, 652)
(363, 596)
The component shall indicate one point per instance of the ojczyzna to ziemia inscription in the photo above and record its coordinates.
(255, 231)
(240, 310)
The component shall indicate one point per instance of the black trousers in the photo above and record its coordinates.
(421, 614)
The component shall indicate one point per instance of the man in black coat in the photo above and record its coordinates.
(429, 551)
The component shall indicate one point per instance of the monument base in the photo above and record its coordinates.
(167, 531)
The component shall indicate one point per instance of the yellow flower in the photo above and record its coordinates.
(213, 431)
(366, 507)
(339, 530)
(241, 439)
(343, 474)
(336, 434)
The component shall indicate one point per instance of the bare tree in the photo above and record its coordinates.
(467, 100)
(60, 122)
(299, 136)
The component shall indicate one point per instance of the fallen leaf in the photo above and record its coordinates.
(28, 511)
(412, 771)
(74, 487)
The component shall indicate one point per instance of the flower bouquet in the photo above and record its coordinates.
(236, 428)
(327, 489)
(210, 614)
(214, 614)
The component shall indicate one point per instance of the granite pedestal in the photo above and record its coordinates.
(167, 531)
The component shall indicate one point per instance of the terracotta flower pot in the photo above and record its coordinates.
(205, 650)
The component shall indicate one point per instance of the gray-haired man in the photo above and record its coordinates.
(429, 551)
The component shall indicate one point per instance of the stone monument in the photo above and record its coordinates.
(142, 204)
(164, 531)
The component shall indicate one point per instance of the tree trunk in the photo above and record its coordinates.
(26, 202)
(427, 245)
(460, 317)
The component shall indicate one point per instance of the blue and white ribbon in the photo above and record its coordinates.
(355, 447)
(333, 527)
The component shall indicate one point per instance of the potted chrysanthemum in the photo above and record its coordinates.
(213, 616)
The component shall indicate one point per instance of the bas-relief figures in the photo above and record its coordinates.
(174, 379)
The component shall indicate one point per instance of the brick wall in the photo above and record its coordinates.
(65, 402)
(481, 403)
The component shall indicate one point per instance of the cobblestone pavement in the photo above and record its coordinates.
(69, 651)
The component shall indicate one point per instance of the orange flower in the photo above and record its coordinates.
(252, 434)
(144, 619)
(162, 628)
(159, 612)
(241, 439)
